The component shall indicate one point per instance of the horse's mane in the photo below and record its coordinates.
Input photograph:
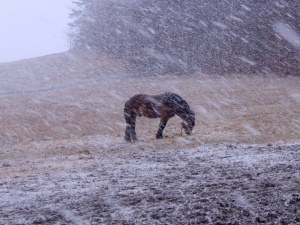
(178, 103)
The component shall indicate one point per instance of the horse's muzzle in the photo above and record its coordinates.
(188, 132)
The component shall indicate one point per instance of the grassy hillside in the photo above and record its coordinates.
(75, 95)
(57, 70)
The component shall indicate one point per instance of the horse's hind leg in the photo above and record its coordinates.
(133, 133)
(127, 136)
(130, 119)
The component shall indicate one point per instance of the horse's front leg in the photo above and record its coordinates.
(161, 128)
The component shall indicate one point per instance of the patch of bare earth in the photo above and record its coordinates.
(63, 158)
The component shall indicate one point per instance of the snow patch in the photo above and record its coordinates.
(244, 59)
(286, 32)
(251, 129)
(221, 25)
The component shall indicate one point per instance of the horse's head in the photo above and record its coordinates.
(188, 122)
(182, 109)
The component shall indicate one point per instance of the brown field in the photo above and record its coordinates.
(83, 103)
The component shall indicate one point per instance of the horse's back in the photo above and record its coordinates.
(147, 105)
(135, 100)
(142, 99)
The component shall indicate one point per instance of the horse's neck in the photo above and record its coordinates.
(167, 96)
(181, 114)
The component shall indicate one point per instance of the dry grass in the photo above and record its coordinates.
(75, 104)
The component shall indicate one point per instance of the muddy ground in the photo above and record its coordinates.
(63, 159)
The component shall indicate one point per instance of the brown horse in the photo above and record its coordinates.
(163, 106)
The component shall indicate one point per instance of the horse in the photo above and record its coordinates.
(163, 106)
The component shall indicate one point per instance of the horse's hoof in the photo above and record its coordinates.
(127, 139)
(159, 137)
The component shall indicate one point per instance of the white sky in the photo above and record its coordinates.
(31, 28)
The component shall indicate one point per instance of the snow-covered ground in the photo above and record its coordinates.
(63, 158)
(209, 184)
